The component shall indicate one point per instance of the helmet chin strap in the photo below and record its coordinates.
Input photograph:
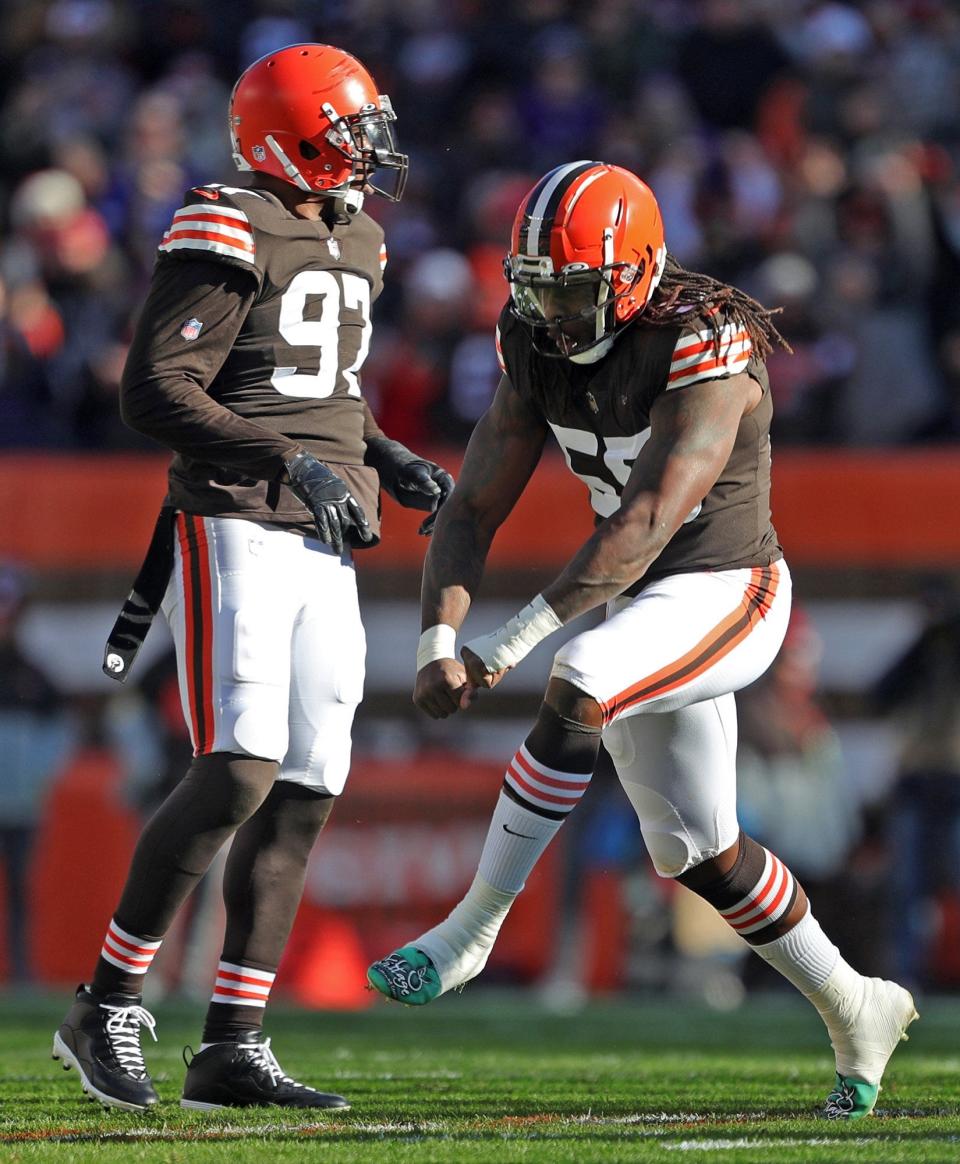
(591, 355)
(352, 199)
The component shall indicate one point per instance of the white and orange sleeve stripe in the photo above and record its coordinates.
(544, 789)
(503, 366)
(211, 229)
(767, 902)
(698, 355)
(241, 985)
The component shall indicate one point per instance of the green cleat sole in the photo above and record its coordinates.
(851, 1099)
(406, 976)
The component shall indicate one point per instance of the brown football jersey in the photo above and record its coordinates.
(600, 415)
(249, 348)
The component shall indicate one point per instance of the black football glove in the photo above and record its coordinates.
(412, 481)
(334, 508)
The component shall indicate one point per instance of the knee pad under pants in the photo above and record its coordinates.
(679, 772)
(270, 646)
(663, 667)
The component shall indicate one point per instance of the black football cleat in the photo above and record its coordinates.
(247, 1074)
(100, 1037)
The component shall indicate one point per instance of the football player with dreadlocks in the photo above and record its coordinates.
(246, 363)
(652, 380)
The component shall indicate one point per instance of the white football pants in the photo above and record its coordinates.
(664, 666)
(270, 646)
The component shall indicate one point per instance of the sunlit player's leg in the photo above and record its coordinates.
(543, 783)
(640, 642)
(266, 869)
(678, 771)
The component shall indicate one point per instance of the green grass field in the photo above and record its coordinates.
(490, 1077)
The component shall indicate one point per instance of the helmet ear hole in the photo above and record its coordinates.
(308, 151)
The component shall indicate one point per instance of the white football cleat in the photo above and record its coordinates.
(866, 1018)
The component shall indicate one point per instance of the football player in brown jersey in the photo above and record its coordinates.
(245, 363)
(652, 380)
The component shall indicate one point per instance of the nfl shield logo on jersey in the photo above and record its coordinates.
(191, 329)
(333, 245)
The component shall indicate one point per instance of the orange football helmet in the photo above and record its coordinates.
(586, 255)
(311, 115)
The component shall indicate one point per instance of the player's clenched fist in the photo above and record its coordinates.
(334, 508)
(479, 674)
(442, 688)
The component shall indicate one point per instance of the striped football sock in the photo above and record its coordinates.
(237, 1003)
(525, 822)
(124, 960)
(772, 895)
(242, 985)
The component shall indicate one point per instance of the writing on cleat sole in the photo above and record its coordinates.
(407, 976)
(851, 1099)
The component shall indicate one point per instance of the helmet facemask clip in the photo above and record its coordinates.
(570, 313)
(366, 140)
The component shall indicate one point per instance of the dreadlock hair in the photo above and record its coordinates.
(681, 290)
(677, 298)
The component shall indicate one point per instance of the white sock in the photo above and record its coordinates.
(805, 956)
(840, 996)
(516, 839)
(515, 842)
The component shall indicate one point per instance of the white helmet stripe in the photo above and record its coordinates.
(541, 207)
(587, 182)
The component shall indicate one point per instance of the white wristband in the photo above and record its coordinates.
(507, 646)
(436, 642)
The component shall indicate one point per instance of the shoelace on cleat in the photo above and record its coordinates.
(840, 1103)
(263, 1057)
(123, 1034)
(402, 977)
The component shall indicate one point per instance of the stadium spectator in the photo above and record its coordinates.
(35, 738)
(818, 110)
(921, 691)
(26, 416)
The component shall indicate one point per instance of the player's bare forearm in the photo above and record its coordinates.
(452, 570)
(502, 454)
(692, 436)
(615, 556)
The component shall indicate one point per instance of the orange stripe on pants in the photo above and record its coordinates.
(717, 643)
(198, 628)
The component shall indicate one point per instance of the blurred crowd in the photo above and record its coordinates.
(808, 151)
